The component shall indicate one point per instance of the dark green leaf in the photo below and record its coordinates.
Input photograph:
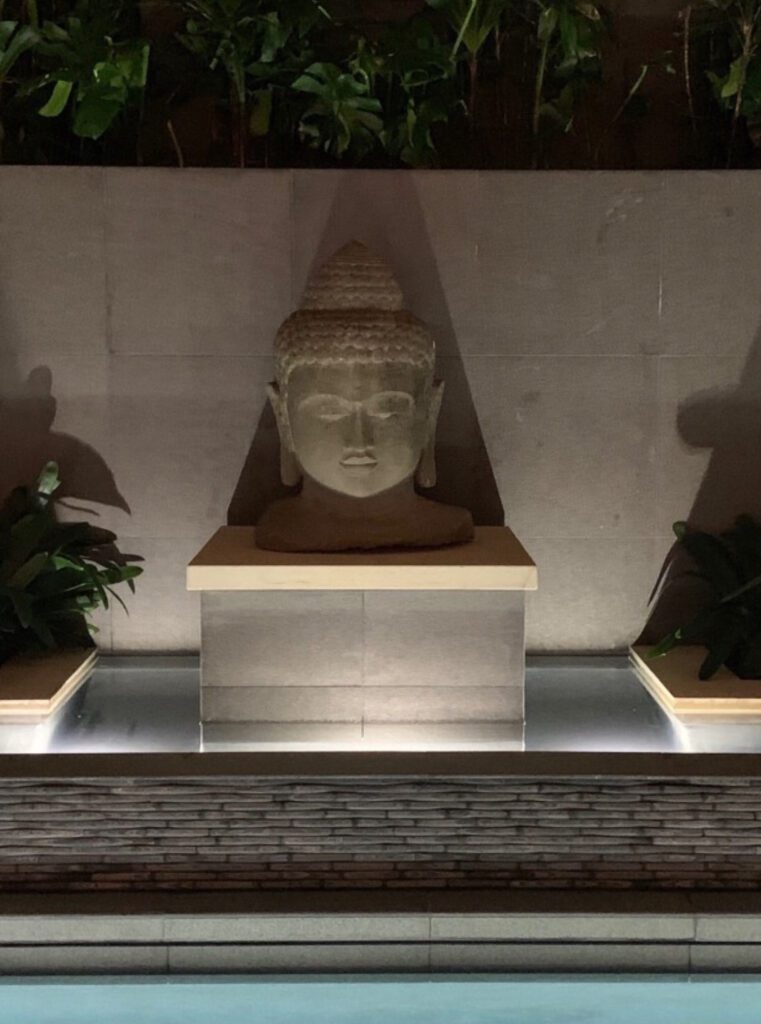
(14, 41)
(261, 113)
(668, 643)
(548, 21)
(722, 647)
(29, 571)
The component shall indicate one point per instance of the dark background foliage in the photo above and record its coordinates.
(381, 83)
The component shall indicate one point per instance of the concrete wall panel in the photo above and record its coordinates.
(599, 333)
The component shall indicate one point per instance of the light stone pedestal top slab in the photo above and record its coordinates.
(674, 682)
(32, 687)
(494, 560)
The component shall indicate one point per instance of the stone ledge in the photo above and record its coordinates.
(421, 959)
(32, 687)
(495, 560)
(674, 683)
(420, 931)
(368, 764)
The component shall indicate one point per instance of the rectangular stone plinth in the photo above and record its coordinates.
(495, 560)
(361, 643)
(411, 656)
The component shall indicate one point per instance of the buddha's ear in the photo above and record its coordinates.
(426, 470)
(290, 471)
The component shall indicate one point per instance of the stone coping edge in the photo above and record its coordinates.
(370, 764)
(416, 932)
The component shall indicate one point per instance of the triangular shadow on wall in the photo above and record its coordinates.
(726, 421)
(382, 210)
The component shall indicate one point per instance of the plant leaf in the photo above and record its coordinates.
(59, 97)
(548, 21)
(668, 643)
(14, 41)
(29, 571)
(722, 648)
(261, 113)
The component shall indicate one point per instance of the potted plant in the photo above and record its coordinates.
(52, 576)
(711, 664)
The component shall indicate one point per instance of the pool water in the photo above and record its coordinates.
(476, 999)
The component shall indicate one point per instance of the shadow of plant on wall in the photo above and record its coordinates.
(726, 422)
(385, 214)
(28, 440)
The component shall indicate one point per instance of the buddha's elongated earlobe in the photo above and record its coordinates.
(290, 471)
(425, 475)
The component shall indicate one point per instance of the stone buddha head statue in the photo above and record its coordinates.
(355, 398)
(356, 405)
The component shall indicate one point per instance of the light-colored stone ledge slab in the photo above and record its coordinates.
(62, 929)
(298, 928)
(563, 927)
(495, 560)
(674, 682)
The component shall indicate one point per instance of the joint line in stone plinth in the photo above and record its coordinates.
(364, 664)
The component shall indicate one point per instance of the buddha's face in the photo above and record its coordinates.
(360, 428)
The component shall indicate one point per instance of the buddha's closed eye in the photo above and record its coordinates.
(328, 408)
(388, 405)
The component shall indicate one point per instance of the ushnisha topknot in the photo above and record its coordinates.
(353, 278)
(353, 311)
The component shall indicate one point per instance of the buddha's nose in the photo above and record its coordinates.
(359, 433)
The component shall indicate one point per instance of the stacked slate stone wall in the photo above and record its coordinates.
(256, 832)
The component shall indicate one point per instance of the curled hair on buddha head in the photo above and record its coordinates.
(353, 312)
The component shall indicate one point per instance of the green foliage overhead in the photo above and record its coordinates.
(52, 574)
(15, 39)
(732, 31)
(342, 117)
(487, 83)
(729, 564)
(238, 36)
(411, 71)
(569, 38)
(473, 21)
(88, 68)
(259, 45)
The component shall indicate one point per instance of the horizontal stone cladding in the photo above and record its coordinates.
(246, 833)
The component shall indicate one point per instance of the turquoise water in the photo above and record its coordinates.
(366, 1000)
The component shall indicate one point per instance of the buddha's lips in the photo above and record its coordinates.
(359, 462)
